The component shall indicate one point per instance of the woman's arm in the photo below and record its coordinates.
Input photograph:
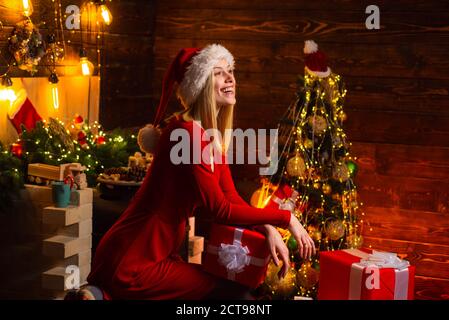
(224, 210)
(228, 187)
(306, 245)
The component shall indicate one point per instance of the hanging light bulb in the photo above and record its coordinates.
(6, 92)
(27, 7)
(53, 78)
(87, 68)
(105, 14)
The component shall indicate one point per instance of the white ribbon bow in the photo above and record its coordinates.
(385, 260)
(234, 256)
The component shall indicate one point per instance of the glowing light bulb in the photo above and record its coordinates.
(53, 78)
(8, 95)
(6, 92)
(27, 7)
(87, 67)
(105, 14)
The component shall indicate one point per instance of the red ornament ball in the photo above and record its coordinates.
(17, 149)
(100, 140)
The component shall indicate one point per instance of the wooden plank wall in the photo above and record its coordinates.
(397, 104)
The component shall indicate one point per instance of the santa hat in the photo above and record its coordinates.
(190, 70)
(315, 60)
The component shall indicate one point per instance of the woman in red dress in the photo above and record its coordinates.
(138, 257)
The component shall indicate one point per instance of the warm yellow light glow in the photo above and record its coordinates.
(55, 95)
(7, 94)
(27, 7)
(86, 66)
(105, 14)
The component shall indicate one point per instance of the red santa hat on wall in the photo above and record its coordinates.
(190, 70)
(315, 60)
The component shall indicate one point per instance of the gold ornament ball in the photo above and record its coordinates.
(317, 185)
(335, 229)
(318, 123)
(327, 189)
(341, 172)
(355, 241)
(296, 166)
(307, 276)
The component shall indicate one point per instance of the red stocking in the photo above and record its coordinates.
(27, 115)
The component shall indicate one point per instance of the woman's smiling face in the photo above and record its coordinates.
(224, 84)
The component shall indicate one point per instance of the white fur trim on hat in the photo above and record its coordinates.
(310, 46)
(199, 70)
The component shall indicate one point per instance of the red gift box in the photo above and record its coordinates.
(283, 198)
(237, 254)
(364, 274)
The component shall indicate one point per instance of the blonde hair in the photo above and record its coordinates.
(205, 110)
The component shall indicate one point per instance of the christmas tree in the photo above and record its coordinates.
(314, 177)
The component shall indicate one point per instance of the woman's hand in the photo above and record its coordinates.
(306, 245)
(277, 246)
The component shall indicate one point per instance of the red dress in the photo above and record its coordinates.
(137, 258)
